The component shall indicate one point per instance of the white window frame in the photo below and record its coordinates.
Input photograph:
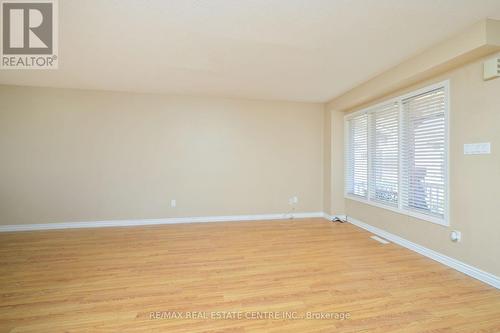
(441, 221)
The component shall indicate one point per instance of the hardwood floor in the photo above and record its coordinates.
(116, 279)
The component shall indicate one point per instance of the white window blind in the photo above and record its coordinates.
(424, 153)
(384, 153)
(396, 154)
(357, 155)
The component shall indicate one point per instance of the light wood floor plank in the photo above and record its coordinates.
(111, 279)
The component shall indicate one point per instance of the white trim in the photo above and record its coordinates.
(425, 89)
(445, 221)
(402, 211)
(369, 156)
(400, 149)
(447, 127)
(372, 107)
(171, 220)
(328, 216)
(379, 239)
(346, 155)
(332, 217)
(471, 271)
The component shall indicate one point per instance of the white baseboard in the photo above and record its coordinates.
(474, 272)
(328, 216)
(331, 217)
(173, 220)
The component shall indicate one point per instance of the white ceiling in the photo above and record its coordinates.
(301, 50)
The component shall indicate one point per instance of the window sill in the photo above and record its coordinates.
(420, 216)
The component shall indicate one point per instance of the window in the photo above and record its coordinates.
(384, 150)
(424, 160)
(396, 154)
(357, 168)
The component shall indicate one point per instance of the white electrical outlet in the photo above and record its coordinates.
(456, 236)
(173, 203)
(293, 200)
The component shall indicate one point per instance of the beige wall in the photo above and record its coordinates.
(74, 155)
(474, 179)
(333, 194)
(337, 196)
(327, 162)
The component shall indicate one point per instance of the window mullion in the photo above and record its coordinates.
(369, 156)
(401, 148)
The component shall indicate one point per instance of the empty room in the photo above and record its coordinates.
(247, 166)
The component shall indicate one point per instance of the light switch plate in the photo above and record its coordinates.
(477, 148)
